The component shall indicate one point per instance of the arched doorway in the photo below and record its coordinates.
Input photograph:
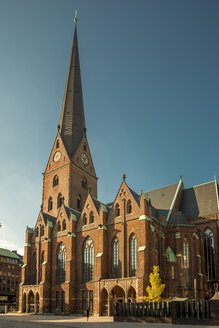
(117, 295)
(37, 303)
(24, 302)
(131, 294)
(31, 302)
(104, 302)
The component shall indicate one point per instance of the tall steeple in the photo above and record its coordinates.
(72, 122)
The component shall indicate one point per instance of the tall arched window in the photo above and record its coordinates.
(84, 183)
(41, 267)
(88, 260)
(59, 200)
(117, 210)
(158, 249)
(186, 262)
(42, 230)
(55, 181)
(57, 144)
(129, 207)
(115, 258)
(209, 254)
(78, 201)
(85, 218)
(61, 263)
(58, 226)
(50, 204)
(133, 255)
(34, 268)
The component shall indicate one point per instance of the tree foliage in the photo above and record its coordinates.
(155, 290)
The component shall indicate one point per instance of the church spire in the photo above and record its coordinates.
(72, 122)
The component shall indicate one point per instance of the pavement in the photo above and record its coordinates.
(48, 321)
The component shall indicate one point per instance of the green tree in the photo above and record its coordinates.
(156, 289)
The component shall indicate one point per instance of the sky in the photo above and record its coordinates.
(150, 76)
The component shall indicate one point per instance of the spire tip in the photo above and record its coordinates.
(76, 19)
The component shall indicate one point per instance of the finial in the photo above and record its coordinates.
(180, 177)
(76, 19)
(124, 177)
(215, 177)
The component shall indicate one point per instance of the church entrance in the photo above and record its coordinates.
(30, 302)
(117, 295)
(104, 302)
(131, 294)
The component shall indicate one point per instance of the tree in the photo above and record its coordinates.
(156, 289)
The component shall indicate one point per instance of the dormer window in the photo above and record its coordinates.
(64, 225)
(117, 210)
(91, 217)
(58, 226)
(129, 207)
(55, 180)
(84, 219)
(50, 204)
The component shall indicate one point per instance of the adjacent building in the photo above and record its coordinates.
(10, 273)
(82, 252)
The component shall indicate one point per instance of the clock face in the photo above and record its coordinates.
(84, 159)
(57, 156)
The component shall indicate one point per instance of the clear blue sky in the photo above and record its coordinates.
(150, 76)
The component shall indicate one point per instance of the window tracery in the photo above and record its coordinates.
(88, 260)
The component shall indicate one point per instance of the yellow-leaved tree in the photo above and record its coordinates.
(156, 289)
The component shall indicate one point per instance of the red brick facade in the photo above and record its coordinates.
(150, 229)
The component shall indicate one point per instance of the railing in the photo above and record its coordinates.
(195, 310)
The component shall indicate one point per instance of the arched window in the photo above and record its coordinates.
(88, 260)
(42, 231)
(91, 220)
(117, 210)
(64, 225)
(186, 262)
(85, 147)
(57, 144)
(58, 226)
(84, 219)
(50, 204)
(209, 253)
(115, 258)
(129, 207)
(41, 267)
(84, 183)
(37, 232)
(59, 200)
(34, 268)
(61, 263)
(79, 201)
(133, 255)
(55, 181)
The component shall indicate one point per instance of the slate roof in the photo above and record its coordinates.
(178, 218)
(200, 200)
(70, 210)
(48, 217)
(97, 204)
(161, 199)
(136, 196)
(7, 253)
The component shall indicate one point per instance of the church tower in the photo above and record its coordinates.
(70, 173)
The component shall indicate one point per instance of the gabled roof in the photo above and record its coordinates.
(98, 204)
(201, 200)
(7, 253)
(48, 217)
(161, 199)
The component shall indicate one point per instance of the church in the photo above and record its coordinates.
(84, 253)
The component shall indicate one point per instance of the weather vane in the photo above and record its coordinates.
(75, 19)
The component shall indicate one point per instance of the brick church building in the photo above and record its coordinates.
(83, 253)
